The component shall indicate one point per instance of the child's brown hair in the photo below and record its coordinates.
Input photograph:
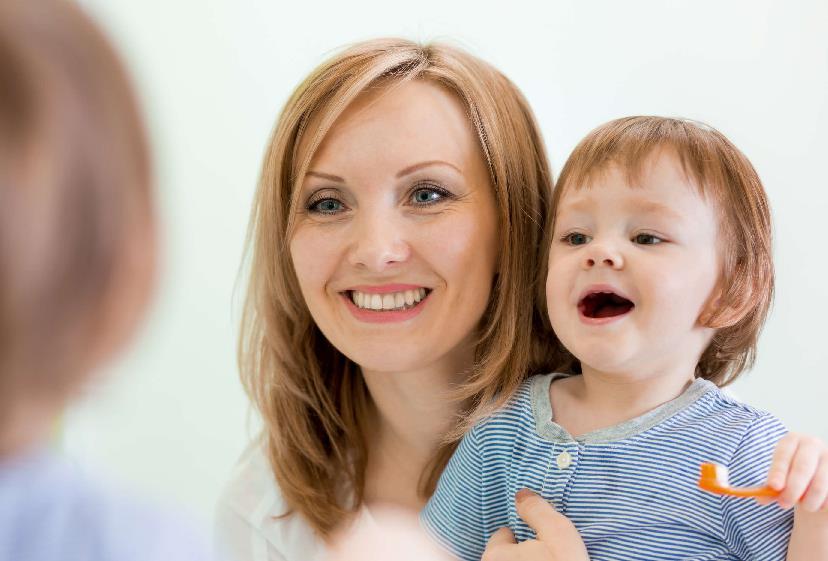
(75, 203)
(719, 170)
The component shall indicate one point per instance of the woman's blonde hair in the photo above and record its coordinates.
(719, 171)
(312, 398)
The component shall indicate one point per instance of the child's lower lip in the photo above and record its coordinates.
(374, 316)
(602, 321)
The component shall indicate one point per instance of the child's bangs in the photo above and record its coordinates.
(632, 144)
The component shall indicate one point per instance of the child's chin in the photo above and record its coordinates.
(605, 358)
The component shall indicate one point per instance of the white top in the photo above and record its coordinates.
(246, 525)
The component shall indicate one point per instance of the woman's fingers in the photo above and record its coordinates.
(547, 522)
(554, 530)
(502, 536)
(501, 546)
(557, 538)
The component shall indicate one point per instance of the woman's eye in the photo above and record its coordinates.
(647, 239)
(576, 238)
(424, 196)
(326, 206)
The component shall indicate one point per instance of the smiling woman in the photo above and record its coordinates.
(395, 255)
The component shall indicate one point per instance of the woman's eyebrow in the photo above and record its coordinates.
(411, 169)
(327, 176)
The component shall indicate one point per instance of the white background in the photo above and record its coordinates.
(213, 74)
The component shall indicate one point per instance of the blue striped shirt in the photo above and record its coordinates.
(630, 489)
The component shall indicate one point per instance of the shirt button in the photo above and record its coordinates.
(564, 460)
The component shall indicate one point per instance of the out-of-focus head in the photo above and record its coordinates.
(76, 217)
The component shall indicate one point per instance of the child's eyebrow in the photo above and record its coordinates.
(652, 207)
(637, 206)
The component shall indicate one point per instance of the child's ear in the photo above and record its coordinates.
(719, 313)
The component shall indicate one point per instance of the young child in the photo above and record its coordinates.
(77, 259)
(659, 281)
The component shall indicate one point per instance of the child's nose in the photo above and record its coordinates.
(378, 242)
(603, 255)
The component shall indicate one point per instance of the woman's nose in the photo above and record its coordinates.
(379, 242)
(603, 255)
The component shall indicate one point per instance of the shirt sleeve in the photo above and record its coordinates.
(454, 515)
(755, 531)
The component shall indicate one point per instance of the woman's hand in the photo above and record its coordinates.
(557, 538)
(388, 534)
(799, 472)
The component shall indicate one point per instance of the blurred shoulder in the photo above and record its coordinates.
(77, 513)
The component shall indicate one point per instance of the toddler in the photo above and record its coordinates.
(660, 278)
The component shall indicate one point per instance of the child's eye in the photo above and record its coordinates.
(576, 238)
(647, 239)
(425, 195)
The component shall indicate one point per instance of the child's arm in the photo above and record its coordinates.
(454, 515)
(809, 540)
(800, 472)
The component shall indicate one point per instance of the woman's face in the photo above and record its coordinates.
(395, 247)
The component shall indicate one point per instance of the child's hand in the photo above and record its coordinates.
(800, 473)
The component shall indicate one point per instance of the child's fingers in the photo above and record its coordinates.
(782, 458)
(817, 494)
(803, 468)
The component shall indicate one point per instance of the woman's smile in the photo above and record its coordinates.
(386, 303)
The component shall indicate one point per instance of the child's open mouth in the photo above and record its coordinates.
(599, 305)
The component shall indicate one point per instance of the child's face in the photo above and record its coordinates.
(631, 268)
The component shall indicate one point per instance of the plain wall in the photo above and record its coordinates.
(214, 74)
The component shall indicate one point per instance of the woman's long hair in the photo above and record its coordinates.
(312, 399)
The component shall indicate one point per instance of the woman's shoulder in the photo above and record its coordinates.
(252, 520)
(252, 487)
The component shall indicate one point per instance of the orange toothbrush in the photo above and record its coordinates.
(713, 479)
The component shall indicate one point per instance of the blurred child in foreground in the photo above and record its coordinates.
(77, 260)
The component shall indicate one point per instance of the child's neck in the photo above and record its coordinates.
(25, 425)
(596, 400)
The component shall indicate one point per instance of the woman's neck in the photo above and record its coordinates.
(413, 412)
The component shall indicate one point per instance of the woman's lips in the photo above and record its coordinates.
(386, 304)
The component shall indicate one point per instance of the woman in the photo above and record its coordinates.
(396, 244)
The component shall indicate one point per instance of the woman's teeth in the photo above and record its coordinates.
(390, 301)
